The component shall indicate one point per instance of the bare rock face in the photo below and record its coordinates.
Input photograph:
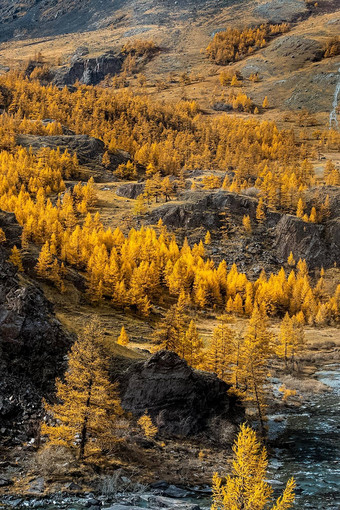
(318, 244)
(205, 208)
(130, 190)
(180, 400)
(89, 71)
(32, 343)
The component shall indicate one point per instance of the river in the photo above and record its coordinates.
(309, 447)
(305, 444)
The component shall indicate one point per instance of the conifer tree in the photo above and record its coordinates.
(256, 351)
(207, 239)
(220, 354)
(247, 224)
(106, 159)
(2, 236)
(291, 261)
(88, 404)
(313, 216)
(192, 346)
(260, 212)
(246, 487)
(300, 208)
(170, 331)
(45, 261)
(149, 429)
(15, 258)
(123, 338)
(265, 103)
(140, 208)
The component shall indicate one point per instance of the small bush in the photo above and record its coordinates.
(54, 460)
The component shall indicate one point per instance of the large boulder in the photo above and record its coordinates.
(180, 400)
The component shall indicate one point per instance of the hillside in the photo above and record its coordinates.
(291, 69)
(169, 252)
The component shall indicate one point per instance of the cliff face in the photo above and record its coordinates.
(319, 245)
(32, 344)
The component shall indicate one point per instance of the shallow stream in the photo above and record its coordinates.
(309, 447)
(305, 443)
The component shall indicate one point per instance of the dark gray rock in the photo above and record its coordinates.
(32, 344)
(158, 502)
(176, 492)
(318, 244)
(5, 482)
(37, 486)
(203, 209)
(130, 190)
(316, 197)
(89, 71)
(180, 400)
(118, 506)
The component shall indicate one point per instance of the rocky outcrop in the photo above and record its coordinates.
(131, 190)
(32, 344)
(318, 244)
(89, 71)
(205, 208)
(86, 147)
(181, 401)
(316, 197)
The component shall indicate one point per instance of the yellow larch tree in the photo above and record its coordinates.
(246, 487)
(192, 346)
(88, 404)
(123, 338)
(220, 354)
(260, 211)
(2, 236)
(247, 224)
(207, 239)
(291, 261)
(265, 103)
(15, 258)
(256, 350)
(170, 331)
(45, 261)
(149, 429)
(300, 208)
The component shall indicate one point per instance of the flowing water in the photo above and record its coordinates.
(309, 447)
(305, 443)
(333, 118)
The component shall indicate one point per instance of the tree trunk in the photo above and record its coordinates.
(83, 436)
(257, 399)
